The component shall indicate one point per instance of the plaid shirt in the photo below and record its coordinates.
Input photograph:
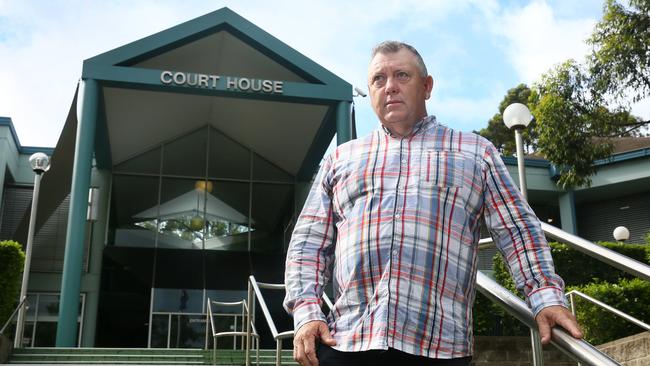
(394, 223)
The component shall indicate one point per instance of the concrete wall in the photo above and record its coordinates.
(514, 351)
(629, 351)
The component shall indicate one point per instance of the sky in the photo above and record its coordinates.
(475, 49)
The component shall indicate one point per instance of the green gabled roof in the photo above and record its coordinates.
(120, 65)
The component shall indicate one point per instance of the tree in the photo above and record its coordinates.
(620, 61)
(574, 127)
(579, 108)
(497, 132)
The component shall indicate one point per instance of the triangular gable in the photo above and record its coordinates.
(221, 23)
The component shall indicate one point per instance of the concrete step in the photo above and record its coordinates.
(139, 356)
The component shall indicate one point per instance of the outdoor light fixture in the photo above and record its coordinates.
(621, 233)
(518, 116)
(40, 164)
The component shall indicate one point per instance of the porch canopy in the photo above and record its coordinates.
(218, 70)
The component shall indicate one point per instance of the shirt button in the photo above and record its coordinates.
(403, 161)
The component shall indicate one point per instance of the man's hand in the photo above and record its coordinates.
(556, 315)
(305, 341)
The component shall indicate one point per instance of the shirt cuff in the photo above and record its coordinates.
(307, 313)
(544, 297)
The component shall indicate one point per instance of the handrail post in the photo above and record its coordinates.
(536, 345)
(207, 323)
(248, 322)
(278, 352)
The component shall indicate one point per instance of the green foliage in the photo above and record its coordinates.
(577, 269)
(570, 118)
(620, 61)
(628, 296)
(497, 132)
(571, 264)
(12, 259)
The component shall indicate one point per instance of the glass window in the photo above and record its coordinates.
(181, 213)
(134, 211)
(145, 163)
(227, 159)
(272, 213)
(186, 156)
(174, 300)
(267, 171)
(179, 269)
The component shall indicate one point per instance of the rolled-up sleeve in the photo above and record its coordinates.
(310, 253)
(518, 235)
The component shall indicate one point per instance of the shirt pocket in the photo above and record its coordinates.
(442, 169)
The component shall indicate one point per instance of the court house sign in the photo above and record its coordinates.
(212, 82)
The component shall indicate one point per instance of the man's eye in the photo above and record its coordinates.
(403, 76)
(379, 80)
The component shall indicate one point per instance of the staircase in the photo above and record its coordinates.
(140, 356)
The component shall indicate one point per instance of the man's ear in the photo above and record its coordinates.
(428, 86)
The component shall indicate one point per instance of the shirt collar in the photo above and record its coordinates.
(420, 126)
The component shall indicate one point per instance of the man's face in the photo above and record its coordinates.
(397, 89)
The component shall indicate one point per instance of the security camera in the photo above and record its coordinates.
(360, 92)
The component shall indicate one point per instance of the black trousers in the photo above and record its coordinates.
(328, 356)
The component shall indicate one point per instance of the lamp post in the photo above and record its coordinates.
(517, 116)
(40, 164)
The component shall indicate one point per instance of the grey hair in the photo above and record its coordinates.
(394, 46)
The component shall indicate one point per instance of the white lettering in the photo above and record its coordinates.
(203, 80)
(180, 78)
(244, 84)
(267, 86)
(191, 82)
(166, 77)
(214, 79)
(231, 83)
(277, 87)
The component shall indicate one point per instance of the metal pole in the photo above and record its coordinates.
(535, 340)
(20, 324)
(249, 310)
(536, 344)
(520, 163)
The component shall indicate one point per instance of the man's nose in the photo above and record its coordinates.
(392, 86)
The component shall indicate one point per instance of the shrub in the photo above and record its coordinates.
(580, 271)
(12, 259)
(628, 296)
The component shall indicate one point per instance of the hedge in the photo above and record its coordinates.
(628, 296)
(12, 259)
(490, 319)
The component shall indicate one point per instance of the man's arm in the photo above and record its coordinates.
(519, 237)
(308, 267)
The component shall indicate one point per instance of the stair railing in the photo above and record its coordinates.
(255, 294)
(23, 302)
(591, 249)
(603, 305)
(243, 333)
(596, 251)
(578, 349)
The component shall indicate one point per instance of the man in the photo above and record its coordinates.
(393, 219)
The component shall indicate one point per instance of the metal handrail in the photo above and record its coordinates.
(609, 308)
(23, 302)
(243, 333)
(254, 288)
(578, 349)
(601, 253)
